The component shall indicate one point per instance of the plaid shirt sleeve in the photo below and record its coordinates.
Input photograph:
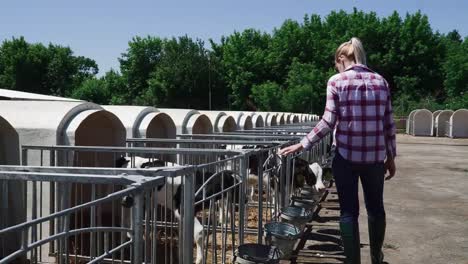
(328, 119)
(389, 128)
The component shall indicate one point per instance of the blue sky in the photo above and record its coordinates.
(101, 29)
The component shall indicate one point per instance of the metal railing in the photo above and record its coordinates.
(205, 181)
(212, 167)
(91, 230)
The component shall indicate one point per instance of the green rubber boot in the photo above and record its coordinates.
(376, 238)
(351, 242)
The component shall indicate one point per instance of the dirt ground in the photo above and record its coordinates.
(426, 205)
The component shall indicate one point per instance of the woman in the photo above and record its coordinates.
(358, 109)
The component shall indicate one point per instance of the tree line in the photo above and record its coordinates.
(285, 70)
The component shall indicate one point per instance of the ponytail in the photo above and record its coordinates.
(353, 50)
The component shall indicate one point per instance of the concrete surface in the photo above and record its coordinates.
(426, 205)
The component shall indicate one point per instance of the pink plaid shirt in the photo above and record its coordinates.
(359, 109)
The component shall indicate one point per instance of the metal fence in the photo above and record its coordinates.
(218, 180)
(261, 159)
(125, 212)
(62, 226)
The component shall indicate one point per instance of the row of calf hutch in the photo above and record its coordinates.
(27, 124)
(440, 123)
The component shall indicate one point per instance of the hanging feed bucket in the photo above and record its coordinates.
(297, 216)
(304, 203)
(256, 253)
(283, 236)
(311, 194)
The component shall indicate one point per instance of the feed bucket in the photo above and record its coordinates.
(311, 194)
(304, 203)
(283, 236)
(256, 253)
(297, 216)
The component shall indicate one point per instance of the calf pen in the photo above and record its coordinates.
(208, 173)
(172, 238)
(58, 234)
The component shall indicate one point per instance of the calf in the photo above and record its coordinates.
(141, 163)
(206, 183)
(318, 172)
(300, 173)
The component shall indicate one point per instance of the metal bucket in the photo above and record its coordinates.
(283, 236)
(311, 194)
(256, 253)
(304, 203)
(298, 216)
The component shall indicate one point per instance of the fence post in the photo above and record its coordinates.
(242, 190)
(282, 180)
(52, 204)
(188, 215)
(260, 197)
(137, 226)
(289, 171)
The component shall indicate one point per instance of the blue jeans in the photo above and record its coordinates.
(346, 176)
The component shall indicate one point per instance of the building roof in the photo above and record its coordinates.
(6, 94)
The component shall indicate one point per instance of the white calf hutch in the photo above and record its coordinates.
(128, 211)
(441, 124)
(434, 116)
(280, 120)
(269, 118)
(58, 122)
(10, 213)
(458, 124)
(243, 120)
(297, 118)
(409, 122)
(144, 122)
(189, 121)
(287, 118)
(221, 121)
(257, 119)
(422, 123)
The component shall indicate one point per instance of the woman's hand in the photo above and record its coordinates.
(291, 149)
(390, 167)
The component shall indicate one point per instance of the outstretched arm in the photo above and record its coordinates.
(326, 124)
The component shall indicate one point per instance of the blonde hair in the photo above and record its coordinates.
(353, 50)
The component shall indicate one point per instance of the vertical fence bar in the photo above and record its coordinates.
(188, 217)
(260, 196)
(92, 221)
(283, 174)
(242, 190)
(3, 213)
(137, 226)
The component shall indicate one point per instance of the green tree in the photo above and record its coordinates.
(93, 90)
(244, 62)
(137, 64)
(306, 88)
(456, 67)
(181, 77)
(267, 96)
(39, 69)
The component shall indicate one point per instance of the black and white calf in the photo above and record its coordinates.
(318, 172)
(141, 163)
(207, 184)
(301, 173)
